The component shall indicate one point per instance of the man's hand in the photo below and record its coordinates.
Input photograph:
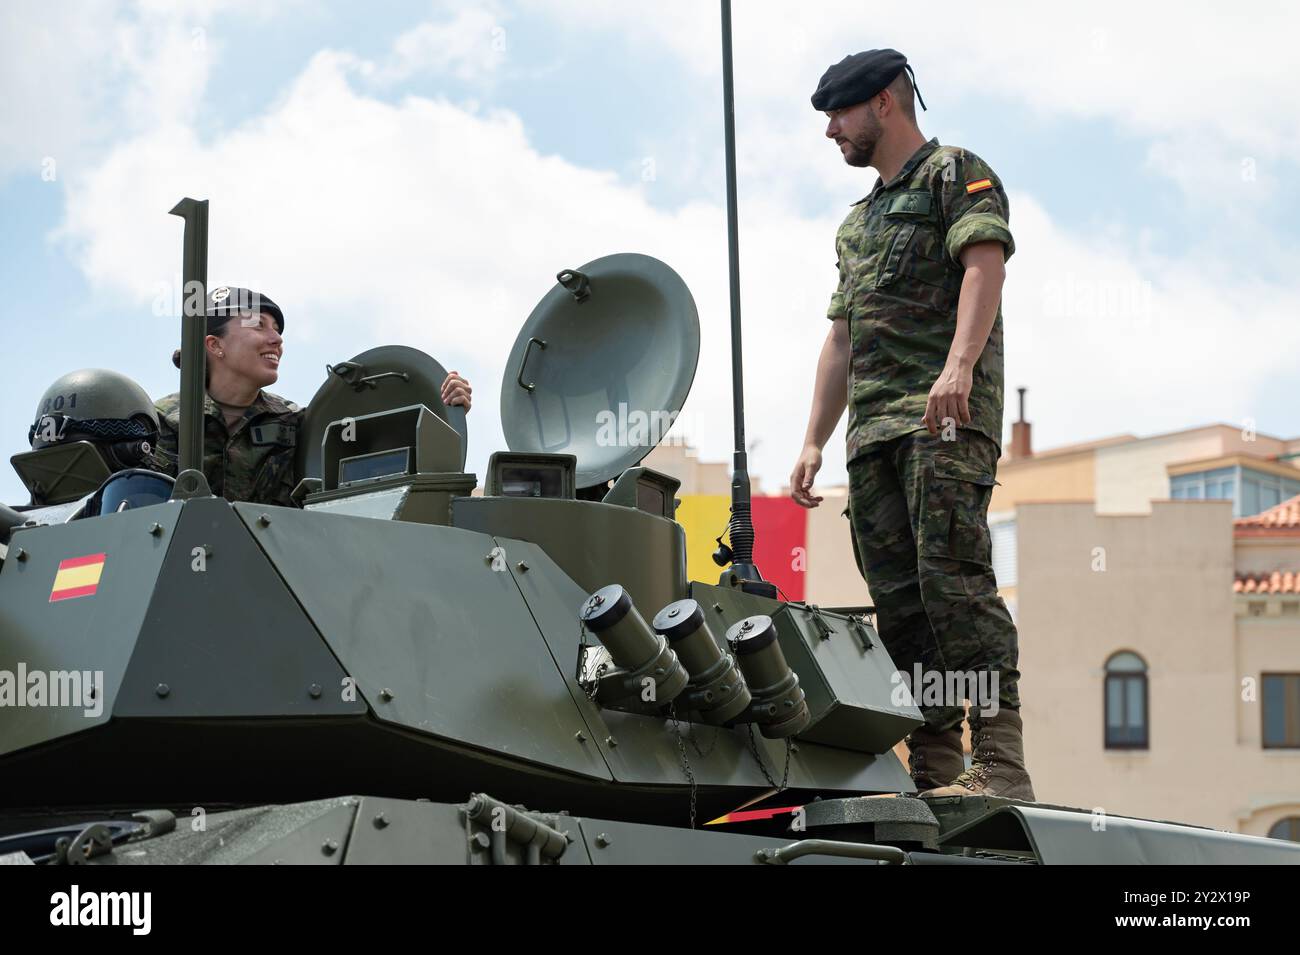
(949, 398)
(456, 391)
(830, 394)
(801, 481)
(977, 310)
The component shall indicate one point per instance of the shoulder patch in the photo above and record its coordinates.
(979, 185)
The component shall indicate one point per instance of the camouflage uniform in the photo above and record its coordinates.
(253, 461)
(918, 502)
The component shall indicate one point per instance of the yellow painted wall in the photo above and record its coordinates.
(1067, 478)
(703, 517)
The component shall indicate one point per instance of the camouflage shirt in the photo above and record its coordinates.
(253, 461)
(900, 274)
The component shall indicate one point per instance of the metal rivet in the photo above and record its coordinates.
(481, 840)
(329, 847)
(385, 694)
(264, 520)
(523, 568)
(314, 690)
(602, 840)
(20, 555)
(162, 689)
(381, 821)
(718, 607)
(610, 741)
(155, 529)
(580, 736)
(675, 611)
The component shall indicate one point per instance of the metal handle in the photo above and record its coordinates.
(527, 348)
(355, 375)
(829, 847)
(578, 284)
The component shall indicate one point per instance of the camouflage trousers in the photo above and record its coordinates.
(919, 509)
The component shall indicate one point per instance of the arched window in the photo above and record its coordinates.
(1126, 701)
(1288, 828)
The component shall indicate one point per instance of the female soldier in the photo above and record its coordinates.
(249, 434)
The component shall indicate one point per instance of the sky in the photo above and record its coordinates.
(417, 173)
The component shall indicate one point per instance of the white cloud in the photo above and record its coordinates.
(53, 70)
(1111, 338)
(440, 225)
(433, 225)
(469, 43)
(78, 77)
(1212, 83)
(437, 226)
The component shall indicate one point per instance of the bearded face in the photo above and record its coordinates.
(860, 133)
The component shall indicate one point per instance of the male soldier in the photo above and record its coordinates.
(249, 435)
(916, 332)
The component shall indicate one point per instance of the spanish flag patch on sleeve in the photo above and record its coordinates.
(979, 185)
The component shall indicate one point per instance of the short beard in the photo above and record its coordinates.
(863, 148)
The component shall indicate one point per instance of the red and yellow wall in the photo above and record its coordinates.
(780, 546)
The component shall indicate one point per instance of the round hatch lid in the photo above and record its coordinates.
(390, 376)
(603, 365)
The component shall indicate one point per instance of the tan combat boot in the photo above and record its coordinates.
(934, 757)
(997, 760)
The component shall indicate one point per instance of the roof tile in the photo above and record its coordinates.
(1284, 516)
(1278, 582)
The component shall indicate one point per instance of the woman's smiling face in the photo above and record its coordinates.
(250, 349)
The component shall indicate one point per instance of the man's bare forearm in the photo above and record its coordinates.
(830, 389)
(977, 306)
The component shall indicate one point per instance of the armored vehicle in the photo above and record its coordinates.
(402, 670)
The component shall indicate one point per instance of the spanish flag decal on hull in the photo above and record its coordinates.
(77, 577)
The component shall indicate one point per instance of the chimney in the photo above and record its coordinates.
(1020, 443)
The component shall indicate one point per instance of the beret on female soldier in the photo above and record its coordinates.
(227, 301)
(859, 77)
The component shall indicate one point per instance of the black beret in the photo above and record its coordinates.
(859, 77)
(227, 301)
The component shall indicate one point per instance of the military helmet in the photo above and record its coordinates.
(101, 406)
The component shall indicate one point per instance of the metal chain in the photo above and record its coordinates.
(686, 763)
(785, 775)
(588, 686)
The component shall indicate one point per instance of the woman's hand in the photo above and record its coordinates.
(456, 391)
